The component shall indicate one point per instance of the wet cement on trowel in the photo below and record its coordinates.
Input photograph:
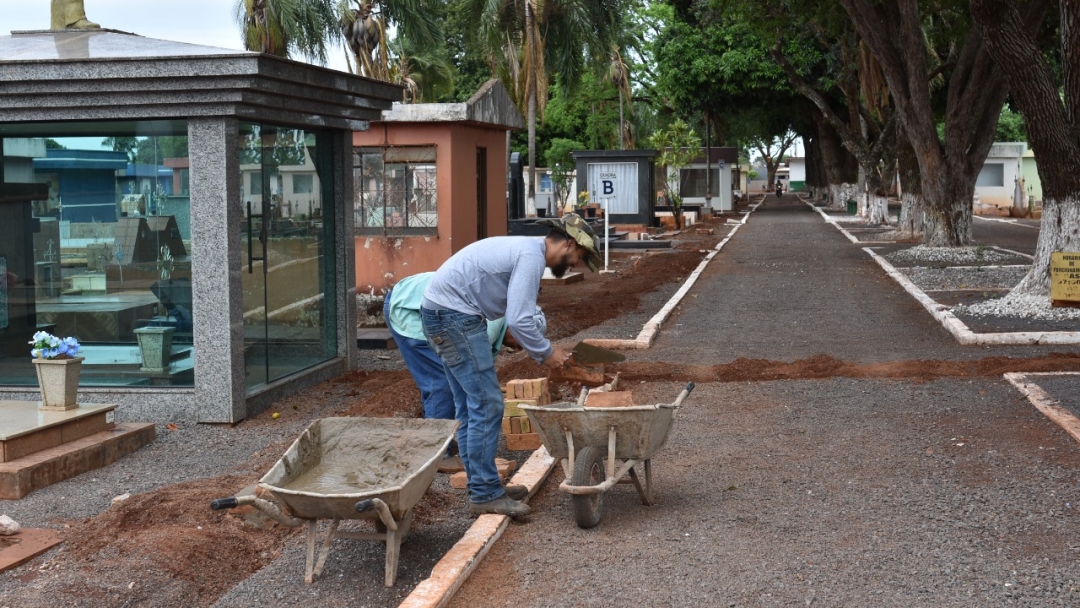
(359, 459)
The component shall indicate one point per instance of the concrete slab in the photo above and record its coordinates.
(46, 467)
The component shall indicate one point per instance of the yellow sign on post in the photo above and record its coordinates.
(1065, 278)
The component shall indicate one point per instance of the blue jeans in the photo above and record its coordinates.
(461, 342)
(427, 370)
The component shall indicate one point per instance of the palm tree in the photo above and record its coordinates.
(287, 27)
(618, 74)
(424, 73)
(531, 40)
(363, 23)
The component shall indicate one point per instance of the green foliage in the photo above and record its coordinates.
(678, 145)
(1010, 126)
(149, 150)
(288, 27)
(560, 159)
(590, 116)
(463, 51)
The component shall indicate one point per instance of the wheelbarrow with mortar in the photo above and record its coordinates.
(353, 468)
(599, 445)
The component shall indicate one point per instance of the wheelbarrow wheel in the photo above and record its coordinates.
(589, 471)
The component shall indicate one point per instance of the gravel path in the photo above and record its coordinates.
(818, 493)
(836, 492)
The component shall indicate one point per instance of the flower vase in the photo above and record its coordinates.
(59, 382)
(155, 346)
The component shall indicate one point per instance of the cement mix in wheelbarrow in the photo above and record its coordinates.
(357, 459)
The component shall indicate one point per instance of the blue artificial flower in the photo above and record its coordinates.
(48, 346)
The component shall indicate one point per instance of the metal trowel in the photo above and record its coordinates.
(588, 354)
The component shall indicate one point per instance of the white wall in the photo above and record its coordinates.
(997, 178)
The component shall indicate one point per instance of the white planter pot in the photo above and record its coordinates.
(59, 382)
(155, 346)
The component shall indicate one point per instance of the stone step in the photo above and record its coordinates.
(46, 467)
(26, 429)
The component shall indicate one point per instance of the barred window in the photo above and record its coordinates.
(395, 190)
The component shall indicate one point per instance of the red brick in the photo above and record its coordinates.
(512, 407)
(525, 441)
(609, 399)
(459, 480)
(505, 467)
(515, 425)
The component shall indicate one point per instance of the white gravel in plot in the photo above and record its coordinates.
(1019, 305)
(965, 277)
(974, 274)
(922, 255)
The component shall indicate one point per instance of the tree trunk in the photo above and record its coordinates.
(947, 225)
(1060, 232)
(532, 151)
(1053, 126)
(877, 211)
(976, 92)
(622, 125)
(840, 194)
(911, 202)
(911, 215)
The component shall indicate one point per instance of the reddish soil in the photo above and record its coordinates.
(163, 539)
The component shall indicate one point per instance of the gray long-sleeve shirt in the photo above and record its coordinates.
(496, 277)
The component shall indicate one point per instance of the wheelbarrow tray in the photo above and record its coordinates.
(337, 462)
(642, 429)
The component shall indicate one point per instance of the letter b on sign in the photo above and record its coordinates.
(608, 187)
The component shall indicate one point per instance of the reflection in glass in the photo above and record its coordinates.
(103, 252)
(287, 249)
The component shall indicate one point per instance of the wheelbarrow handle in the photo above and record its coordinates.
(385, 516)
(224, 503)
(683, 394)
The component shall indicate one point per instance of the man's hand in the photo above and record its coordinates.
(558, 357)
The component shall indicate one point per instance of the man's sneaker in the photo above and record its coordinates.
(451, 464)
(503, 505)
(516, 492)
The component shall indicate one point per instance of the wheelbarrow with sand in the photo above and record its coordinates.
(353, 468)
(598, 446)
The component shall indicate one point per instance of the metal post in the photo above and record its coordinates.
(607, 233)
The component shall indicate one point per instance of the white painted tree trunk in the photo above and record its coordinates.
(877, 210)
(839, 195)
(911, 215)
(1060, 231)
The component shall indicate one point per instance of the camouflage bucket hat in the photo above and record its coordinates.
(578, 229)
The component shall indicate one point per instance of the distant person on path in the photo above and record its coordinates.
(401, 309)
(492, 278)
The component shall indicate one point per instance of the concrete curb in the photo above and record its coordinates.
(949, 321)
(649, 332)
(1043, 402)
(459, 562)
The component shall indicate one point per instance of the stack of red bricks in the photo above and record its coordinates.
(515, 425)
